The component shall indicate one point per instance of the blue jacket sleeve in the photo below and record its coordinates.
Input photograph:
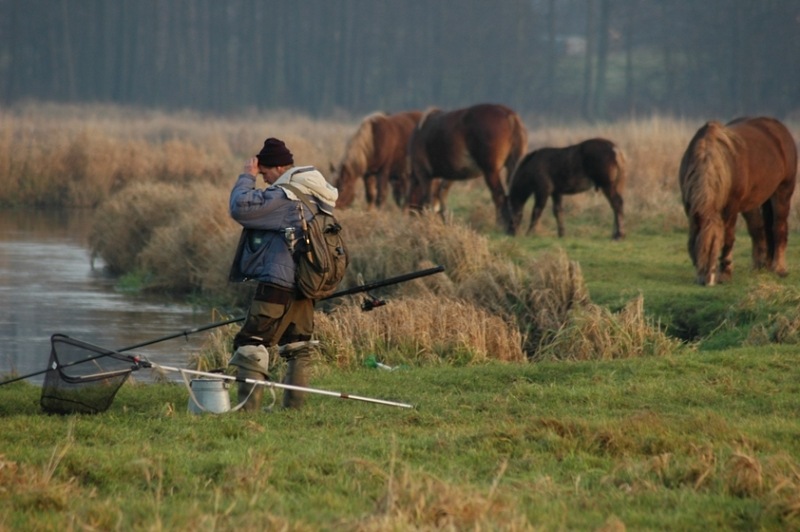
(267, 209)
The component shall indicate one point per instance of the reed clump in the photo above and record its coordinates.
(593, 332)
(427, 329)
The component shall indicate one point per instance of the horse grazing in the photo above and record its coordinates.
(377, 152)
(746, 166)
(463, 144)
(554, 172)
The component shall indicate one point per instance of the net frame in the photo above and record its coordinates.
(83, 378)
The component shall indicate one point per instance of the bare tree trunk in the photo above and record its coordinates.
(599, 106)
(552, 58)
(630, 83)
(588, 65)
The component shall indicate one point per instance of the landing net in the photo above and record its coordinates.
(82, 378)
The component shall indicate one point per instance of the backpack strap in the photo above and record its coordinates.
(307, 202)
(305, 198)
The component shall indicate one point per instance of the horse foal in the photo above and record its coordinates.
(553, 172)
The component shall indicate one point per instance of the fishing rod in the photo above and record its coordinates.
(367, 305)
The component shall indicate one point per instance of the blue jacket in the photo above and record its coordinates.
(263, 253)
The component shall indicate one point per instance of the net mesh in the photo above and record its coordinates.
(82, 378)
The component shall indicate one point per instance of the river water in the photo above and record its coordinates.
(49, 285)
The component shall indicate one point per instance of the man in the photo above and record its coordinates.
(279, 314)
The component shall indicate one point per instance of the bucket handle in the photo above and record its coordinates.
(193, 397)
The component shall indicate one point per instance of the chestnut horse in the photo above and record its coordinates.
(377, 152)
(553, 172)
(746, 166)
(463, 144)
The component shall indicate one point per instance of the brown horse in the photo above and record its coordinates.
(554, 172)
(747, 166)
(377, 152)
(463, 144)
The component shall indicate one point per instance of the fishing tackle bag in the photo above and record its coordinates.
(322, 262)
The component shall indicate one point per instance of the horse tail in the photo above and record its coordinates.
(519, 146)
(356, 159)
(620, 170)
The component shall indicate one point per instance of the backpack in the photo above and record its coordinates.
(322, 263)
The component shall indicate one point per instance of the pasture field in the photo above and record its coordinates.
(689, 441)
(701, 435)
(557, 384)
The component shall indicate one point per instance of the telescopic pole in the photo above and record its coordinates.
(271, 384)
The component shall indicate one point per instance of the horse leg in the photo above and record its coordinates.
(382, 187)
(726, 256)
(760, 238)
(370, 189)
(399, 185)
(558, 212)
(441, 191)
(502, 216)
(539, 203)
(778, 234)
(615, 200)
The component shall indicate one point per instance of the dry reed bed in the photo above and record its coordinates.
(76, 156)
(69, 155)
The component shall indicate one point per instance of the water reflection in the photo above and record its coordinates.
(48, 285)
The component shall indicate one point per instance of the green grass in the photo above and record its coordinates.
(651, 443)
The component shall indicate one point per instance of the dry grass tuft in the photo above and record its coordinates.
(388, 243)
(744, 476)
(784, 494)
(593, 332)
(182, 254)
(426, 329)
(423, 502)
(124, 224)
(780, 326)
(538, 299)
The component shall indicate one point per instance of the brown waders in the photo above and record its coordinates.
(276, 317)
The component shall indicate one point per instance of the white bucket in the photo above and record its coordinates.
(209, 395)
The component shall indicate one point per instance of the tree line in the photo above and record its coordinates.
(588, 59)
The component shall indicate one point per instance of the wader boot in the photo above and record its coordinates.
(252, 362)
(298, 364)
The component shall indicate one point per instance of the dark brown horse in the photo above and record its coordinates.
(747, 166)
(463, 144)
(554, 172)
(377, 153)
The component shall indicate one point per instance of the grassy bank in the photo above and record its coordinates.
(689, 442)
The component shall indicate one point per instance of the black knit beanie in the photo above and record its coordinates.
(274, 153)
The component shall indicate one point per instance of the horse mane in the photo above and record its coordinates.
(707, 167)
(425, 114)
(361, 146)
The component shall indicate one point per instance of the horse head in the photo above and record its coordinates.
(345, 180)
